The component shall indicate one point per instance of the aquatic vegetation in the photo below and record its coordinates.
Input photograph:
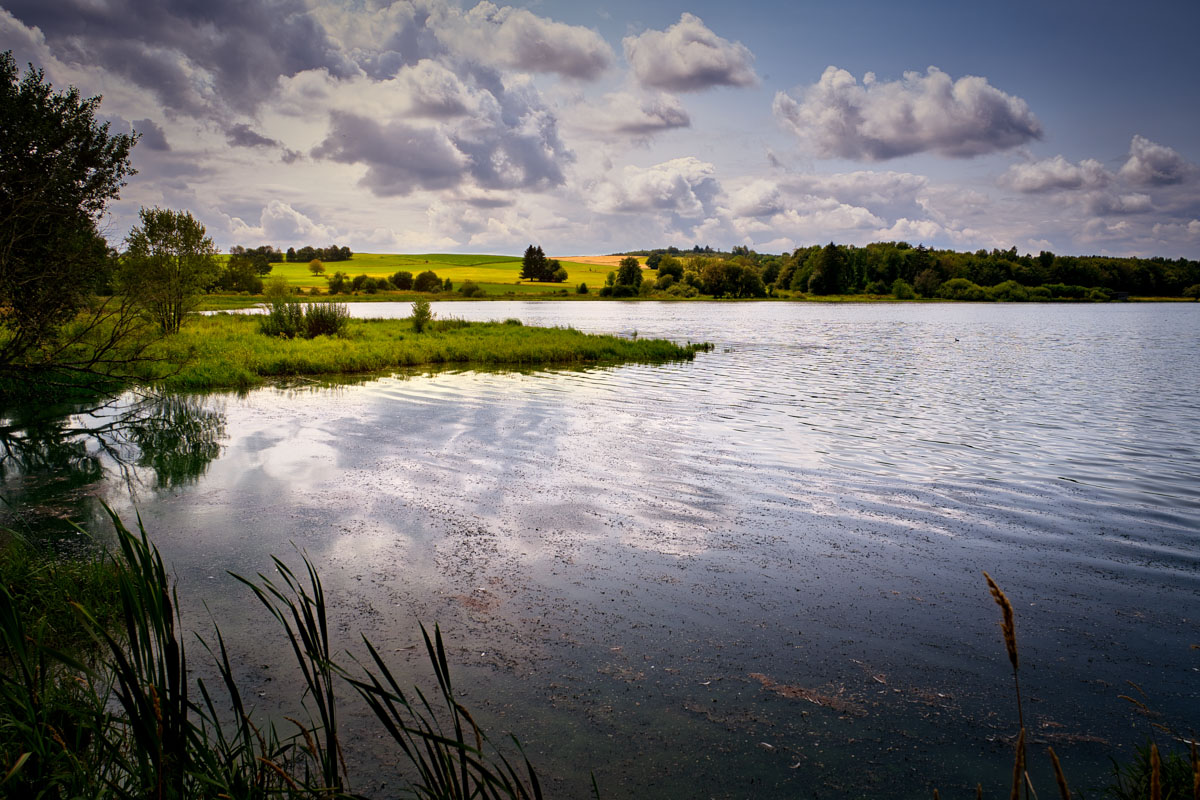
(228, 351)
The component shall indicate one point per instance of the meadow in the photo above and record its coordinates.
(496, 275)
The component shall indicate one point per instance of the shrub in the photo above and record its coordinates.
(1062, 291)
(606, 291)
(448, 286)
(961, 289)
(513, 321)
(621, 290)
(277, 289)
(1193, 292)
(358, 282)
(1039, 294)
(285, 320)
(470, 289)
(403, 281)
(683, 290)
(927, 283)
(337, 282)
(427, 281)
(559, 275)
(1009, 292)
(422, 314)
(582, 288)
(326, 319)
(664, 282)
(901, 290)
(669, 266)
(1099, 294)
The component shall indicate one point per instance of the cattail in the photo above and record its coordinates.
(1155, 773)
(1018, 767)
(1059, 776)
(1008, 624)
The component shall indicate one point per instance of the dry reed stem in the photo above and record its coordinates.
(1155, 773)
(935, 795)
(1018, 767)
(979, 791)
(1058, 775)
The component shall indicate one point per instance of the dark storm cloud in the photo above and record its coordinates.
(152, 136)
(242, 135)
(241, 46)
(399, 158)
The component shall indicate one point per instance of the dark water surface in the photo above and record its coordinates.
(752, 575)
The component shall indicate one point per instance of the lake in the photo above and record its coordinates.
(753, 574)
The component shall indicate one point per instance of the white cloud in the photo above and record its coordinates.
(279, 222)
(875, 121)
(638, 115)
(1100, 203)
(684, 187)
(1054, 174)
(1152, 164)
(761, 198)
(515, 37)
(688, 57)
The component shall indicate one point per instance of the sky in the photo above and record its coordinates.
(599, 127)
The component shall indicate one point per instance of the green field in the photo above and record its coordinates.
(496, 274)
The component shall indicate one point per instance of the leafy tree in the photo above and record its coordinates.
(1193, 292)
(403, 280)
(338, 282)
(167, 264)
(629, 272)
(826, 277)
(59, 168)
(448, 285)
(316, 267)
(653, 260)
(903, 290)
(239, 274)
(427, 281)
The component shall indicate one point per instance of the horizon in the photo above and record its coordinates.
(438, 126)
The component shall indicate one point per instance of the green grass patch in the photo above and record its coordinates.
(228, 351)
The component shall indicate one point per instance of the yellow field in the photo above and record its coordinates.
(496, 274)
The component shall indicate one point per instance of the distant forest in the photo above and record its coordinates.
(876, 268)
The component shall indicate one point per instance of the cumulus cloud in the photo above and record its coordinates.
(280, 223)
(862, 187)
(930, 112)
(242, 135)
(152, 136)
(688, 57)
(1055, 174)
(1152, 164)
(634, 114)
(515, 37)
(1100, 203)
(682, 187)
(399, 158)
(760, 198)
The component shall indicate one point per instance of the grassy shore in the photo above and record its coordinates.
(228, 351)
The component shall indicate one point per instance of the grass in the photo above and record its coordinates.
(227, 350)
(498, 275)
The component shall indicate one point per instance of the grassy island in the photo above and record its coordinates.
(228, 351)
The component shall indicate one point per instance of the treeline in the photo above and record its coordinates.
(901, 269)
(308, 253)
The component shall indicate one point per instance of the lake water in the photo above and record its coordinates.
(754, 574)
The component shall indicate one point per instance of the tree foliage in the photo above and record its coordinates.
(59, 168)
(168, 262)
(536, 267)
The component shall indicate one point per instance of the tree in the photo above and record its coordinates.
(533, 264)
(403, 280)
(59, 168)
(427, 281)
(629, 272)
(422, 314)
(828, 268)
(316, 267)
(168, 262)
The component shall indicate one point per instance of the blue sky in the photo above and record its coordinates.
(598, 127)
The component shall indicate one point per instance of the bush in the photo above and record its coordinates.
(621, 290)
(961, 289)
(337, 282)
(683, 290)
(559, 275)
(1193, 292)
(448, 286)
(582, 288)
(326, 319)
(927, 283)
(284, 320)
(1039, 294)
(1099, 294)
(403, 281)
(422, 314)
(901, 290)
(513, 321)
(471, 289)
(606, 291)
(1009, 292)
(1062, 291)
(664, 282)
(427, 281)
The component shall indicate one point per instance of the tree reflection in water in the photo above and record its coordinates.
(55, 459)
